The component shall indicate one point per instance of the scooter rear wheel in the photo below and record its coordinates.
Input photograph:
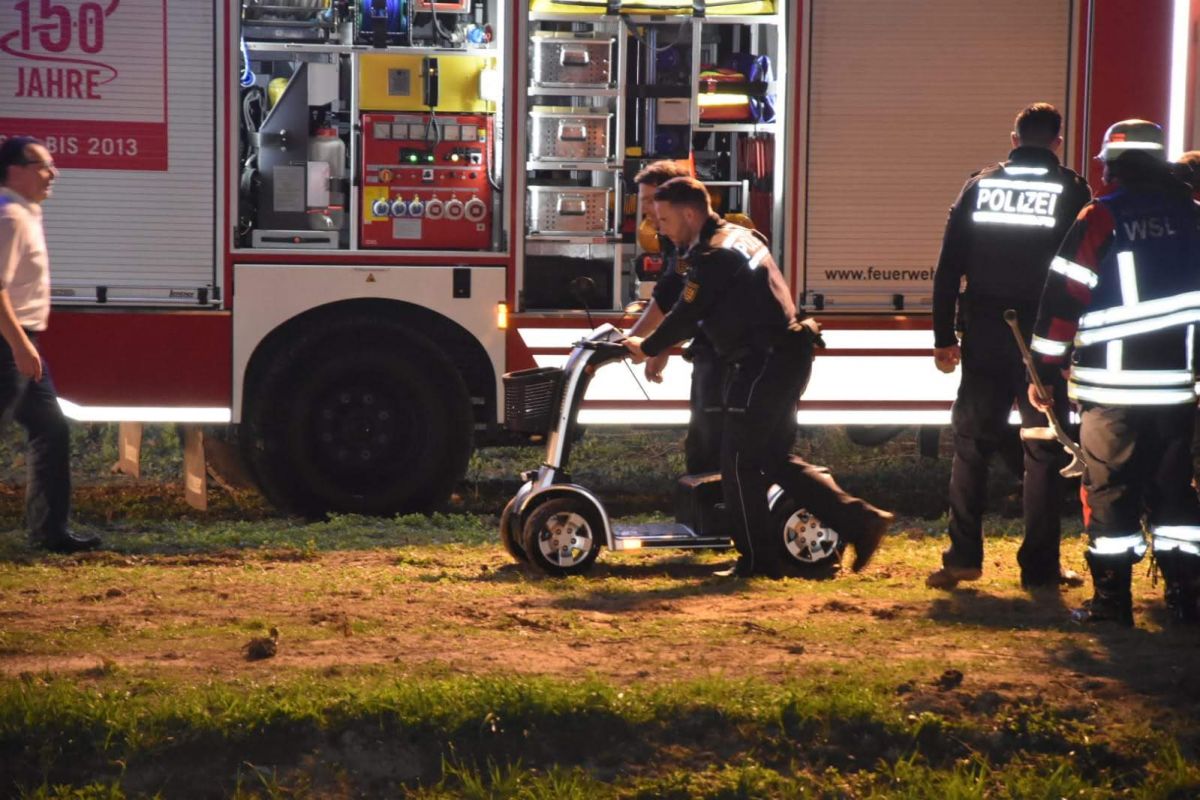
(510, 533)
(562, 536)
(804, 541)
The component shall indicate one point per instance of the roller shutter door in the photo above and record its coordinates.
(905, 101)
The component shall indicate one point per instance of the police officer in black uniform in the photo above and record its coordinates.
(735, 294)
(1121, 302)
(1000, 238)
(702, 447)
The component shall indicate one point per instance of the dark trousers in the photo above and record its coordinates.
(980, 422)
(760, 427)
(35, 406)
(702, 447)
(1139, 462)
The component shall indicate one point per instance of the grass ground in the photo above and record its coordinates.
(413, 658)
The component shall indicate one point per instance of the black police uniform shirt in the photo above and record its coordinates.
(1001, 235)
(670, 284)
(669, 288)
(733, 292)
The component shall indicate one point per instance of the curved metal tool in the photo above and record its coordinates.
(1075, 468)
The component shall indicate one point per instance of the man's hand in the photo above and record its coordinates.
(25, 355)
(1038, 401)
(947, 358)
(655, 366)
(634, 345)
(28, 362)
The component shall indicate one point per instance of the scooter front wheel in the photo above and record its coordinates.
(562, 536)
(510, 533)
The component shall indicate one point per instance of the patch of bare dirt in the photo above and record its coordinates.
(338, 610)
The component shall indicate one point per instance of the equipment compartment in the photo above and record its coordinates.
(567, 61)
(568, 134)
(569, 210)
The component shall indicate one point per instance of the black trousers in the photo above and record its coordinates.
(761, 392)
(702, 447)
(980, 422)
(34, 404)
(1139, 462)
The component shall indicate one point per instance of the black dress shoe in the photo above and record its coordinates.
(71, 542)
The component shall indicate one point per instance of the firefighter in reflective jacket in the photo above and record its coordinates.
(1122, 299)
(702, 447)
(735, 294)
(1001, 234)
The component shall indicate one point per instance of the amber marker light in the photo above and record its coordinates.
(502, 315)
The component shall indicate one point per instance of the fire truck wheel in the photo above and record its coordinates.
(510, 533)
(806, 544)
(872, 435)
(562, 536)
(371, 420)
(378, 432)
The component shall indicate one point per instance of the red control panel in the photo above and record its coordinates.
(425, 181)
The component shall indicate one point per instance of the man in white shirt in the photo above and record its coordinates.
(27, 174)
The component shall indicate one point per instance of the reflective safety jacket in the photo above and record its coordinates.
(1001, 233)
(1123, 297)
(733, 293)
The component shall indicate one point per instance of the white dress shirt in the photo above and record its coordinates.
(24, 260)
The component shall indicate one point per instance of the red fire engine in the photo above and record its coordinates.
(334, 224)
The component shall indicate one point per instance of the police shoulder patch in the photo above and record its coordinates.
(690, 290)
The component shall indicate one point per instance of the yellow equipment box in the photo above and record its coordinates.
(389, 82)
(713, 8)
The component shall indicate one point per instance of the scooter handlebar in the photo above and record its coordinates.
(613, 349)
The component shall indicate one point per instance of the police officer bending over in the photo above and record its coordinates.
(702, 447)
(1000, 238)
(736, 295)
(1122, 300)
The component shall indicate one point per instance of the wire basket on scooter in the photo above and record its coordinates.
(531, 399)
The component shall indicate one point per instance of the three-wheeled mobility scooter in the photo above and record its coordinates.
(560, 526)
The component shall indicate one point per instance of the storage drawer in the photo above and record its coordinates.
(571, 62)
(568, 134)
(569, 210)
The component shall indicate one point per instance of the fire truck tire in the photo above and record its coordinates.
(872, 435)
(372, 420)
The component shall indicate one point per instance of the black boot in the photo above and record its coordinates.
(1181, 576)
(1112, 601)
